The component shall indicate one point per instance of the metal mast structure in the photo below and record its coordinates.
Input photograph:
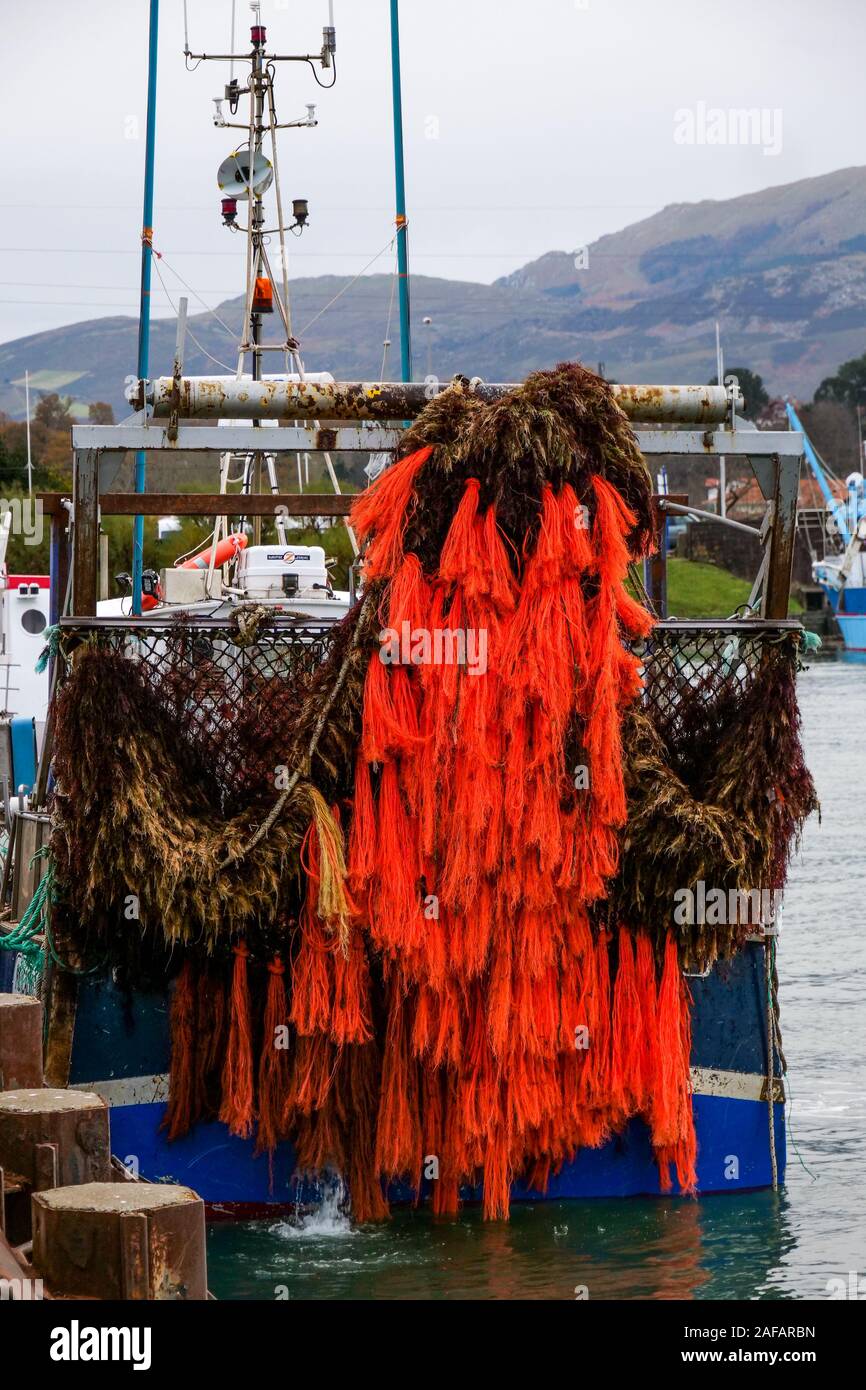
(246, 175)
(400, 190)
(144, 309)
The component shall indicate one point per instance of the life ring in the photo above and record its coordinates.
(225, 551)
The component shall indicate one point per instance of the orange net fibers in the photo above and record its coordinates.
(461, 1015)
(489, 795)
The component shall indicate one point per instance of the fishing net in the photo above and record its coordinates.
(436, 850)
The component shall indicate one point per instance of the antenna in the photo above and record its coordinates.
(723, 463)
(27, 408)
(247, 174)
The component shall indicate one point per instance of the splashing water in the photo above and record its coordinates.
(328, 1221)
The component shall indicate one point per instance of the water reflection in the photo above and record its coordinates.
(720, 1248)
(750, 1246)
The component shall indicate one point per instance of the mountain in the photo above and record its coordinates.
(783, 270)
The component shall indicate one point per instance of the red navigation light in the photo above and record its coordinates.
(259, 33)
(230, 211)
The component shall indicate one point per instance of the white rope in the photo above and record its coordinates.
(287, 313)
(335, 482)
(250, 270)
(390, 315)
(352, 282)
(189, 331)
(196, 295)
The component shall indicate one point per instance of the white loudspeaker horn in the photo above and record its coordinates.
(233, 175)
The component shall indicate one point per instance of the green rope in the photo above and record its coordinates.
(34, 923)
(33, 936)
(51, 648)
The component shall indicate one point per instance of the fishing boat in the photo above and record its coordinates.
(839, 551)
(229, 644)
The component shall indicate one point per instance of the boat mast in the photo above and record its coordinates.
(247, 175)
(144, 309)
(257, 222)
(400, 181)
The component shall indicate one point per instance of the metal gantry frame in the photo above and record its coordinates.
(690, 421)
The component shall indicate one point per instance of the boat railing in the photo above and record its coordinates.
(208, 677)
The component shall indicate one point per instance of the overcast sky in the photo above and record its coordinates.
(530, 125)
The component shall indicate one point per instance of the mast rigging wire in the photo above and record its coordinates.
(189, 331)
(352, 282)
(394, 279)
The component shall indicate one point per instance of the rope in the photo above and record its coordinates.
(34, 923)
(252, 270)
(394, 279)
(777, 1039)
(294, 352)
(189, 331)
(303, 767)
(51, 648)
(345, 288)
(195, 294)
(769, 951)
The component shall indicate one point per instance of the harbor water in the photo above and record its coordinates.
(806, 1241)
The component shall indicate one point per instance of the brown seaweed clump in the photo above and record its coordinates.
(718, 793)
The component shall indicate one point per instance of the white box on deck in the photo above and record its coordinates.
(184, 586)
(277, 572)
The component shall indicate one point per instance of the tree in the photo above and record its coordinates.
(753, 389)
(53, 412)
(848, 386)
(832, 429)
(100, 413)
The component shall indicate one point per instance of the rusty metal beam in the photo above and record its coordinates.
(227, 398)
(780, 560)
(222, 504)
(85, 532)
(656, 565)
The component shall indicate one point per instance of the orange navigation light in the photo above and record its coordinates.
(263, 296)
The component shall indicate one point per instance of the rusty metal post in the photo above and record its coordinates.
(134, 1261)
(656, 565)
(780, 561)
(76, 1122)
(85, 532)
(20, 1042)
(118, 1240)
(58, 561)
(31, 833)
(46, 1166)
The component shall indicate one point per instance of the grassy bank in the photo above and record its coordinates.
(698, 590)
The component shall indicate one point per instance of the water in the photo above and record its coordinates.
(756, 1246)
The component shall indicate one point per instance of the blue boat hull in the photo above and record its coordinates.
(853, 629)
(849, 610)
(121, 1050)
